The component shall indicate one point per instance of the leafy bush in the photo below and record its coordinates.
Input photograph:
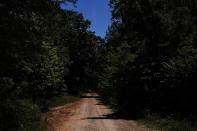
(20, 115)
(156, 121)
(62, 100)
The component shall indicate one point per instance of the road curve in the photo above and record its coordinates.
(89, 114)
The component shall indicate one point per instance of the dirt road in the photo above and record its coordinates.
(89, 114)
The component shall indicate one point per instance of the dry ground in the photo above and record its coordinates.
(88, 114)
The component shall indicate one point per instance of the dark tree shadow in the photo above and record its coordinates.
(112, 116)
(116, 115)
(108, 116)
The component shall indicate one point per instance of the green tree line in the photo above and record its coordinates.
(147, 62)
(151, 58)
(45, 52)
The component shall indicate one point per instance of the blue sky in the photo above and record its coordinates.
(97, 11)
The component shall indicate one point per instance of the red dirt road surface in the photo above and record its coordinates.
(89, 114)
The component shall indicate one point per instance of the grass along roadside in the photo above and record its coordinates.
(24, 115)
(20, 115)
(56, 102)
(156, 122)
(62, 100)
(45, 104)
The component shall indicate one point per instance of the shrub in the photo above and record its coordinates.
(62, 100)
(20, 115)
(169, 123)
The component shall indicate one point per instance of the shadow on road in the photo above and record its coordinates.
(114, 116)
(108, 116)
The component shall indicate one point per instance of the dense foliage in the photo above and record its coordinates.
(148, 62)
(45, 52)
(151, 57)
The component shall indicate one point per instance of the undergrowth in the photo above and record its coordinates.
(157, 122)
(59, 101)
(24, 115)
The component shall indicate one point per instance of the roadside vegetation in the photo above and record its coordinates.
(48, 57)
(147, 63)
(62, 100)
(167, 123)
(20, 115)
(150, 62)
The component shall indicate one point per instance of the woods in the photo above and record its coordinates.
(147, 62)
(45, 52)
(151, 58)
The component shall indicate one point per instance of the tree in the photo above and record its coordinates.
(151, 57)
